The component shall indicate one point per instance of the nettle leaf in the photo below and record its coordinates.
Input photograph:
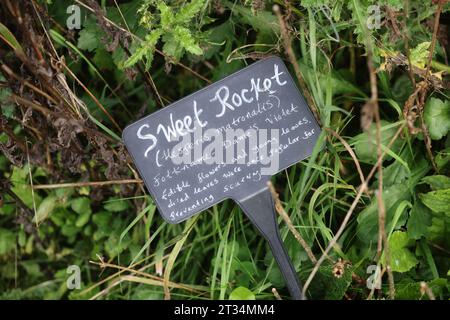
(188, 11)
(437, 201)
(402, 260)
(171, 47)
(264, 22)
(437, 117)
(187, 41)
(437, 182)
(137, 56)
(145, 50)
(419, 55)
(166, 15)
(242, 293)
(419, 221)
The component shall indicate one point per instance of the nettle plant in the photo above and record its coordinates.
(178, 28)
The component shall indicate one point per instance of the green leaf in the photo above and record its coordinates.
(188, 11)
(116, 205)
(145, 50)
(437, 182)
(242, 293)
(437, 117)
(367, 229)
(90, 36)
(407, 289)
(83, 218)
(166, 14)
(439, 230)
(9, 38)
(419, 55)
(32, 268)
(402, 259)
(22, 188)
(186, 40)
(102, 219)
(265, 23)
(172, 47)
(437, 201)
(419, 221)
(366, 143)
(7, 241)
(81, 205)
(45, 209)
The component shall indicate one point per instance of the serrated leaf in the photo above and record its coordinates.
(437, 117)
(186, 40)
(419, 54)
(188, 11)
(172, 47)
(145, 49)
(166, 15)
(136, 56)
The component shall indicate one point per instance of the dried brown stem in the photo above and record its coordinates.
(87, 184)
(279, 208)
(287, 44)
(349, 150)
(349, 213)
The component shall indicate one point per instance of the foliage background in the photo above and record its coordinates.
(66, 94)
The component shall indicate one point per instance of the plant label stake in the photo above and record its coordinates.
(225, 141)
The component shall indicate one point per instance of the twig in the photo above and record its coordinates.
(349, 150)
(276, 294)
(427, 74)
(373, 102)
(86, 184)
(382, 237)
(103, 265)
(26, 83)
(291, 55)
(338, 234)
(279, 208)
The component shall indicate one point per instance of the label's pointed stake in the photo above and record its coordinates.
(260, 209)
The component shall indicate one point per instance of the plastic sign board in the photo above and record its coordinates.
(225, 141)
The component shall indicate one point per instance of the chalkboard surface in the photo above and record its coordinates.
(224, 141)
